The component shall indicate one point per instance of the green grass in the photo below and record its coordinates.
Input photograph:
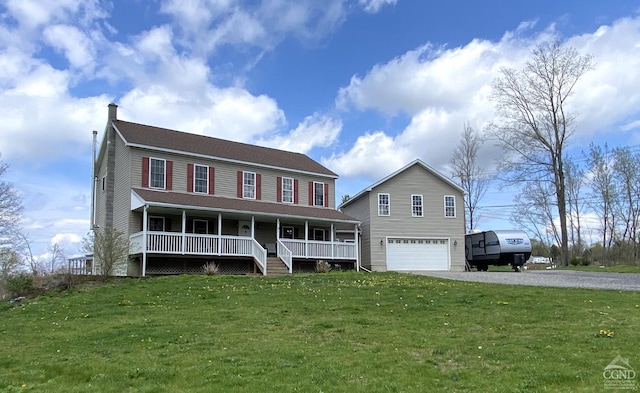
(336, 332)
(609, 269)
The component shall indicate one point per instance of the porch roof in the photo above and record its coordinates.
(232, 205)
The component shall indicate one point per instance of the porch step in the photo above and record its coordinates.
(275, 267)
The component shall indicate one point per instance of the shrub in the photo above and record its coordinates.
(19, 284)
(322, 267)
(210, 268)
(575, 261)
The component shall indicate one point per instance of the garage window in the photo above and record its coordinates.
(383, 204)
(416, 205)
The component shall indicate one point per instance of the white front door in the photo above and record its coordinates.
(244, 228)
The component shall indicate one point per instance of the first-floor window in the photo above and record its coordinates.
(449, 206)
(200, 226)
(249, 185)
(416, 205)
(201, 178)
(318, 234)
(156, 173)
(156, 224)
(318, 194)
(383, 204)
(104, 183)
(288, 233)
(287, 190)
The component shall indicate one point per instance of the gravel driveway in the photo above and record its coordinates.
(548, 278)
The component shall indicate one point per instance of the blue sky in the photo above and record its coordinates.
(362, 86)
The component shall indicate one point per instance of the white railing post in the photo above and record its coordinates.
(306, 239)
(184, 230)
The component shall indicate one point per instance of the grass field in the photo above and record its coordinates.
(336, 332)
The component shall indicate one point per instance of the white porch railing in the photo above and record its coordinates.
(285, 255)
(320, 249)
(196, 244)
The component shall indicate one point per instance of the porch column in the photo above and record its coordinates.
(332, 245)
(144, 240)
(253, 226)
(278, 229)
(219, 233)
(306, 238)
(356, 242)
(184, 231)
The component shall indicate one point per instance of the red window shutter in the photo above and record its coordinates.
(295, 191)
(326, 195)
(212, 180)
(258, 186)
(145, 172)
(239, 184)
(310, 193)
(189, 177)
(169, 180)
(279, 189)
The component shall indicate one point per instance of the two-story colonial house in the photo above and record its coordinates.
(185, 200)
(411, 220)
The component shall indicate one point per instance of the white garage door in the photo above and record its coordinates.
(417, 254)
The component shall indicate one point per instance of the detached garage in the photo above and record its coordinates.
(411, 220)
(417, 254)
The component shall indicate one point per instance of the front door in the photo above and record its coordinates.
(244, 228)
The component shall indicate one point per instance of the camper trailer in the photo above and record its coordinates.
(499, 248)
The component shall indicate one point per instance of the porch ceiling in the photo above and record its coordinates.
(239, 208)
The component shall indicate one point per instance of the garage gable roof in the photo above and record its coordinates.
(411, 164)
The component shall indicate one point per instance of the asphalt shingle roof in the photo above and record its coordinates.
(145, 135)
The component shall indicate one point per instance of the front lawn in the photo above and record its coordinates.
(336, 332)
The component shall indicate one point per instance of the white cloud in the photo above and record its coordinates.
(314, 131)
(73, 42)
(373, 6)
(440, 89)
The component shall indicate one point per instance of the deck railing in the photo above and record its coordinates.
(198, 244)
(285, 255)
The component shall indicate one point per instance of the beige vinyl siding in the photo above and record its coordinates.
(360, 209)
(121, 198)
(401, 223)
(226, 176)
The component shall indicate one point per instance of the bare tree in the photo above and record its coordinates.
(627, 179)
(10, 209)
(109, 247)
(473, 179)
(22, 243)
(533, 211)
(57, 256)
(534, 125)
(603, 192)
(576, 205)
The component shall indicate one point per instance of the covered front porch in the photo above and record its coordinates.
(203, 234)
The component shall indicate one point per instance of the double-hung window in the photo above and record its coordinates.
(156, 224)
(201, 179)
(416, 206)
(287, 190)
(156, 173)
(450, 206)
(318, 194)
(383, 205)
(249, 185)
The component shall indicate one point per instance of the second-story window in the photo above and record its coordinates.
(383, 204)
(249, 185)
(318, 194)
(287, 190)
(156, 173)
(201, 179)
(416, 205)
(450, 206)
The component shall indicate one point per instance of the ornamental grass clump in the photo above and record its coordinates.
(210, 268)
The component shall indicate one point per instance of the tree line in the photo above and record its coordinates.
(560, 197)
